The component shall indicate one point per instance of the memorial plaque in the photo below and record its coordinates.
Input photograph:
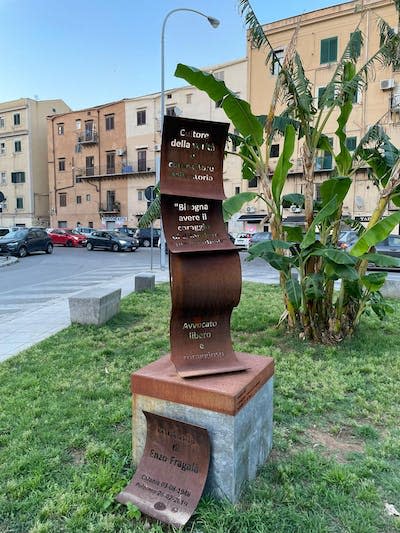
(192, 154)
(204, 264)
(171, 475)
(194, 224)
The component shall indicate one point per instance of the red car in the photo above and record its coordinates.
(67, 237)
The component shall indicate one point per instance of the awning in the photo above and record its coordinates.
(295, 220)
(253, 217)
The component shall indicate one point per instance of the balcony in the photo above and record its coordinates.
(110, 208)
(121, 168)
(87, 137)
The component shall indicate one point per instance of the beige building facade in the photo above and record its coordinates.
(322, 37)
(23, 161)
(102, 159)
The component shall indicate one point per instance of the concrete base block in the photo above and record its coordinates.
(145, 282)
(94, 306)
(240, 442)
(391, 289)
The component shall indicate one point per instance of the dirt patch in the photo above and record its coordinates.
(78, 456)
(338, 446)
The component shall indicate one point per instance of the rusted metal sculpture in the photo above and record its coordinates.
(204, 264)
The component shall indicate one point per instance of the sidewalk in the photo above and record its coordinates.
(30, 328)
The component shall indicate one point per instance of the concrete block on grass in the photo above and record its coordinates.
(94, 306)
(145, 282)
(391, 289)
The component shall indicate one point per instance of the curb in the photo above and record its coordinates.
(9, 260)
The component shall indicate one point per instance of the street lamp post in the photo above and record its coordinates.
(214, 23)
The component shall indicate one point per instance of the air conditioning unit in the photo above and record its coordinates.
(157, 147)
(120, 151)
(295, 209)
(387, 84)
(251, 209)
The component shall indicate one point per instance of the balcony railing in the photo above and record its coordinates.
(120, 168)
(114, 208)
(87, 137)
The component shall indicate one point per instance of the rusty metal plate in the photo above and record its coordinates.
(204, 288)
(194, 224)
(171, 475)
(192, 154)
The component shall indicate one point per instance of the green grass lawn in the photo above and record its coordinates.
(65, 427)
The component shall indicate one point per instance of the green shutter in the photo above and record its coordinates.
(328, 50)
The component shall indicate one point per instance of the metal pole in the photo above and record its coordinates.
(214, 23)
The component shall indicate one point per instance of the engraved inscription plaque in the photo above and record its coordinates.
(171, 475)
(204, 264)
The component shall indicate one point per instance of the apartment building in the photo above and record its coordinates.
(88, 167)
(322, 37)
(23, 161)
(102, 159)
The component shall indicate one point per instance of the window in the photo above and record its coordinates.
(169, 96)
(351, 143)
(20, 203)
(317, 192)
(320, 93)
(62, 224)
(2, 148)
(3, 177)
(237, 190)
(274, 150)
(219, 75)
(79, 199)
(140, 195)
(110, 200)
(63, 199)
(329, 50)
(110, 162)
(78, 124)
(78, 179)
(189, 98)
(2, 122)
(17, 119)
(141, 117)
(109, 122)
(17, 146)
(60, 128)
(17, 177)
(277, 60)
(218, 103)
(90, 165)
(324, 162)
(171, 112)
(141, 155)
(88, 198)
(253, 183)
(61, 164)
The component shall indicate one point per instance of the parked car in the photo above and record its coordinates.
(144, 236)
(260, 236)
(242, 240)
(111, 240)
(85, 230)
(347, 239)
(4, 231)
(129, 231)
(389, 246)
(67, 237)
(24, 241)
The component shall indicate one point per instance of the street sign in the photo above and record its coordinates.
(2, 197)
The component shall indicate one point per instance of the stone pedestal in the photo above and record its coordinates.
(236, 409)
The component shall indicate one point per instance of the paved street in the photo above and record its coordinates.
(34, 291)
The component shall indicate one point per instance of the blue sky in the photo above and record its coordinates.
(96, 51)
